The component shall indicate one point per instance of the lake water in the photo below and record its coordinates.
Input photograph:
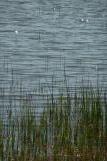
(40, 39)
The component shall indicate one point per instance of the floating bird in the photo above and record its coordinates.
(54, 9)
(96, 67)
(82, 19)
(86, 20)
(16, 32)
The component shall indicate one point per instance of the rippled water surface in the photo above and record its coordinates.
(42, 38)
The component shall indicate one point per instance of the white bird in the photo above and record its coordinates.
(86, 20)
(54, 9)
(82, 19)
(96, 67)
(16, 32)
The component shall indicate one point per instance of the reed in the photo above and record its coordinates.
(71, 127)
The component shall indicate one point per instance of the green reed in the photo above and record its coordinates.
(71, 127)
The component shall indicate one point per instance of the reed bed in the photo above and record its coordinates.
(71, 127)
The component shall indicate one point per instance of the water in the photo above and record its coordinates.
(41, 38)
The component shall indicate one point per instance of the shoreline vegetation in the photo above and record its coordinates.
(71, 127)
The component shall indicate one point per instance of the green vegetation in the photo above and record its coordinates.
(71, 128)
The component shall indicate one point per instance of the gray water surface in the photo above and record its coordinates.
(42, 38)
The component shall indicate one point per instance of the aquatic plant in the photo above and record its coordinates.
(71, 127)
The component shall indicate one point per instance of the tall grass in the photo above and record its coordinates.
(72, 127)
